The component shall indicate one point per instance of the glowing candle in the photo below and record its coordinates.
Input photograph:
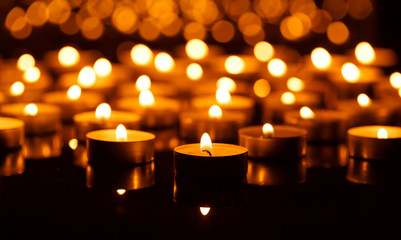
(11, 133)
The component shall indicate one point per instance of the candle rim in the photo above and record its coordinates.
(16, 109)
(7, 123)
(115, 116)
(110, 135)
(256, 132)
(239, 150)
(360, 132)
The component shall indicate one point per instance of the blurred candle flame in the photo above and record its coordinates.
(363, 100)
(321, 58)
(102, 67)
(25, 61)
(295, 84)
(277, 67)
(32, 74)
(146, 99)
(68, 56)
(365, 53)
(164, 62)
(215, 112)
(268, 130)
(223, 96)
(350, 72)
(196, 49)
(143, 83)
(206, 144)
(288, 98)
(194, 71)
(73, 143)
(121, 191)
(263, 51)
(87, 77)
(141, 55)
(121, 133)
(395, 80)
(261, 88)
(234, 65)
(204, 210)
(103, 111)
(31, 109)
(382, 133)
(306, 113)
(227, 83)
(17, 89)
(74, 92)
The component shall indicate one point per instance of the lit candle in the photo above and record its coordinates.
(209, 173)
(381, 57)
(118, 146)
(68, 58)
(11, 133)
(374, 142)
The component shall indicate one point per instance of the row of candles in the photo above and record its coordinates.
(321, 113)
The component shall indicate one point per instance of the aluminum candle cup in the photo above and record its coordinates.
(217, 180)
(287, 143)
(375, 142)
(11, 133)
(104, 147)
(12, 163)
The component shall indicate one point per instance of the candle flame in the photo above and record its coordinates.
(121, 191)
(74, 92)
(227, 83)
(288, 98)
(141, 55)
(17, 89)
(146, 98)
(263, 51)
(295, 84)
(194, 71)
(25, 61)
(68, 56)
(73, 143)
(164, 62)
(306, 113)
(31, 109)
(350, 72)
(143, 83)
(268, 130)
(204, 210)
(196, 49)
(102, 67)
(365, 53)
(382, 134)
(395, 80)
(223, 96)
(277, 67)
(261, 88)
(206, 144)
(363, 100)
(321, 58)
(234, 65)
(215, 112)
(121, 133)
(86, 77)
(103, 111)
(32, 74)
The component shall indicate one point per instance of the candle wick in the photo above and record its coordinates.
(210, 154)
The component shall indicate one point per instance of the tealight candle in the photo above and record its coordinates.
(11, 133)
(117, 146)
(103, 118)
(209, 173)
(374, 142)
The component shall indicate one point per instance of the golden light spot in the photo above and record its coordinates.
(206, 143)
(72, 25)
(74, 92)
(141, 55)
(247, 20)
(277, 67)
(223, 31)
(382, 134)
(227, 83)
(125, 19)
(148, 29)
(360, 9)
(268, 130)
(196, 49)
(263, 51)
(17, 89)
(321, 58)
(363, 100)
(68, 56)
(365, 53)
(86, 77)
(121, 133)
(31, 109)
(336, 8)
(58, 11)
(395, 80)
(223, 96)
(194, 71)
(143, 83)
(92, 28)
(103, 111)
(350, 72)
(164, 62)
(102, 67)
(194, 30)
(337, 32)
(204, 210)
(295, 84)
(169, 24)
(291, 28)
(288, 98)
(25, 61)
(36, 13)
(120, 191)
(306, 113)
(261, 88)
(32, 74)
(100, 9)
(146, 98)
(73, 143)
(234, 65)
(215, 112)
(320, 20)
(14, 15)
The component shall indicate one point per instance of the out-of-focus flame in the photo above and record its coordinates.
(31, 109)
(363, 100)
(121, 133)
(74, 92)
(227, 83)
(365, 53)
(32, 74)
(146, 99)
(223, 96)
(120, 191)
(196, 49)
(295, 84)
(86, 77)
(17, 89)
(206, 144)
(143, 83)
(103, 111)
(350, 72)
(277, 67)
(261, 88)
(215, 112)
(288, 98)
(73, 143)
(234, 65)
(194, 71)
(321, 58)
(164, 62)
(102, 67)
(263, 51)
(68, 56)
(141, 55)
(306, 113)
(25, 61)
(395, 80)
(268, 130)
(382, 134)
(204, 210)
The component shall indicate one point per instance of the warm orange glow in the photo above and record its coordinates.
(234, 65)
(350, 72)
(31, 109)
(121, 133)
(74, 92)
(227, 83)
(103, 111)
(68, 56)
(288, 98)
(86, 77)
(141, 55)
(121, 191)
(395, 80)
(337, 32)
(306, 113)
(223, 96)
(146, 99)
(382, 134)
(204, 210)
(32, 74)
(73, 143)
(261, 88)
(321, 58)
(25, 61)
(164, 62)
(365, 53)
(194, 71)
(102, 67)
(277, 67)
(196, 49)
(363, 100)
(295, 84)
(268, 130)
(17, 89)
(263, 51)
(206, 144)
(143, 83)
(215, 112)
